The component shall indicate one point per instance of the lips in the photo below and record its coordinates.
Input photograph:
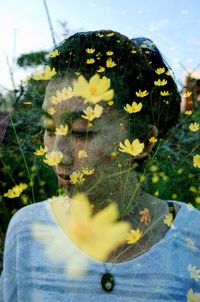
(63, 180)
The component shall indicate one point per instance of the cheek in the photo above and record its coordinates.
(48, 142)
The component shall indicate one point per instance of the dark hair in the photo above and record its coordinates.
(137, 61)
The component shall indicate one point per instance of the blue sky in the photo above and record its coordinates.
(174, 26)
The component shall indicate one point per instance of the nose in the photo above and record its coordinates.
(63, 144)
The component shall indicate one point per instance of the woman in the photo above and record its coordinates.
(108, 101)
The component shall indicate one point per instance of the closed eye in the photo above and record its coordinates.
(83, 134)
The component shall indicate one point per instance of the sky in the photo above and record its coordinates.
(173, 25)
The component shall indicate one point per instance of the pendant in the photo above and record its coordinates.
(107, 282)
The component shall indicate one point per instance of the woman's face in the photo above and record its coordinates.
(99, 141)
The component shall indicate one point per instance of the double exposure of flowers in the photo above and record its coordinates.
(134, 236)
(94, 91)
(168, 220)
(16, 191)
(44, 75)
(63, 95)
(134, 148)
(133, 108)
(82, 154)
(53, 158)
(91, 114)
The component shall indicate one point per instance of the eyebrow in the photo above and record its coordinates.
(67, 116)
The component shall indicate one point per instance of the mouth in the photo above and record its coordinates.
(63, 180)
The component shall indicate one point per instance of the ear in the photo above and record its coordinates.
(152, 132)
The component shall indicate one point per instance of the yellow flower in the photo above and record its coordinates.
(133, 51)
(53, 54)
(110, 103)
(196, 161)
(41, 151)
(168, 220)
(90, 50)
(110, 63)
(194, 272)
(188, 112)
(67, 93)
(141, 94)
(95, 90)
(101, 69)
(155, 178)
(100, 35)
(91, 114)
(168, 73)
(44, 75)
(194, 127)
(160, 70)
(77, 178)
(134, 236)
(197, 199)
(87, 171)
(16, 191)
(193, 297)
(54, 100)
(109, 53)
(134, 148)
(62, 130)
(164, 93)
(133, 108)
(53, 158)
(97, 235)
(174, 196)
(153, 139)
(51, 110)
(110, 34)
(27, 103)
(187, 94)
(90, 61)
(114, 154)
(82, 154)
(160, 83)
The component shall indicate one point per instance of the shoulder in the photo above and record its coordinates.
(29, 213)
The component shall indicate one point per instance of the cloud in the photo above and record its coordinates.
(159, 25)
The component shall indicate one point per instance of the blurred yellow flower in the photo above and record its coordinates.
(44, 75)
(197, 199)
(91, 114)
(97, 235)
(134, 236)
(168, 73)
(188, 112)
(110, 103)
(109, 53)
(62, 130)
(90, 50)
(82, 154)
(155, 178)
(53, 158)
(67, 93)
(51, 110)
(134, 148)
(160, 70)
(153, 139)
(90, 61)
(187, 94)
(168, 220)
(194, 127)
(54, 100)
(196, 161)
(157, 193)
(41, 151)
(15, 191)
(160, 82)
(110, 63)
(133, 108)
(141, 94)
(95, 90)
(110, 34)
(87, 171)
(192, 296)
(164, 93)
(77, 178)
(53, 54)
(101, 69)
